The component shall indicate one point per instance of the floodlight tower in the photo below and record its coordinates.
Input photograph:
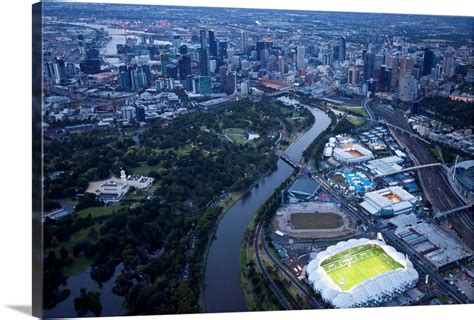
(455, 166)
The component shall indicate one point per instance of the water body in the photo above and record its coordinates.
(222, 290)
(111, 303)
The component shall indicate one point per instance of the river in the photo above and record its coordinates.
(222, 290)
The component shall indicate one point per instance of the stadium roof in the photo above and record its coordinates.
(465, 174)
(371, 292)
(304, 186)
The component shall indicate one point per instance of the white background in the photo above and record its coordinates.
(15, 154)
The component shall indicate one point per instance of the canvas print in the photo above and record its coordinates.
(198, 159)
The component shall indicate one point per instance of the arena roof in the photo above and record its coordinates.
(371, 292)
(465, 174)
(304, 186)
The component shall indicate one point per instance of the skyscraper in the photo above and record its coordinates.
(204, 55)
(384, 78)
(393, 64)
(368, 65)
(353, 76)
(243, 42)
(281, 64)
(212, 44)
(184, 66)
(300, 51)
(223, 49)
(406, 66)
(407, 88)
(231, 82)
(448, 66)
(165, 60)
(427, 62)
(261, 45)
(342, 49)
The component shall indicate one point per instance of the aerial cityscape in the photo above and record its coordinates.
(225, 160)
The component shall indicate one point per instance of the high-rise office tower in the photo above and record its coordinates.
(243, 42)
(353, 75)
(342, 49)
(300, 51)
(448, 66)
(427, 62)
(212, 44)
(281, 65)
(184, 66)
(124, 78)
(204, 54)
(165, 60)
(393, 64)
(406, 66)
(223, 49)
(379, 60)
(407, 88)
(231, 82)
(261, 45)
(368, 65)
(147, 71)
(384, 78)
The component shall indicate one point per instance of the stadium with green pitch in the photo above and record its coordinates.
(355, 265)
(359, 273)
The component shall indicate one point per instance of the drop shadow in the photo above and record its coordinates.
(25, 309)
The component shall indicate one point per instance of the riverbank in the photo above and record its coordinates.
(223, 290)
(237, 196)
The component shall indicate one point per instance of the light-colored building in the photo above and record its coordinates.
(139, 182)
(428, 239)
(387, 165)
(407, 88)
(300, 52)
(114, 190)
(388, 201)
(352, 153)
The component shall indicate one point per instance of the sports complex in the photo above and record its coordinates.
(360, 273)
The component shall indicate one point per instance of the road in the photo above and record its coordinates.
(282, 269)
(280, 296)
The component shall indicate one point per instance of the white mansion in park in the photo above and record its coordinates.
(114, 190)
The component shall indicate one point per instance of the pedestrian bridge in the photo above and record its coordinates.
(408, 169)
(445, 213)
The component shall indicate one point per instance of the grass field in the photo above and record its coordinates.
(326, 220)
(236, 135)
(365, 263)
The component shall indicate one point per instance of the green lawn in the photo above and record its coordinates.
(355, 121)
(359, 110)
(139, 195)
(96, 212)
(144, 169)
(364, 265)
(235, 135)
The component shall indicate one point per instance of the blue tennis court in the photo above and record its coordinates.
(358, 180)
